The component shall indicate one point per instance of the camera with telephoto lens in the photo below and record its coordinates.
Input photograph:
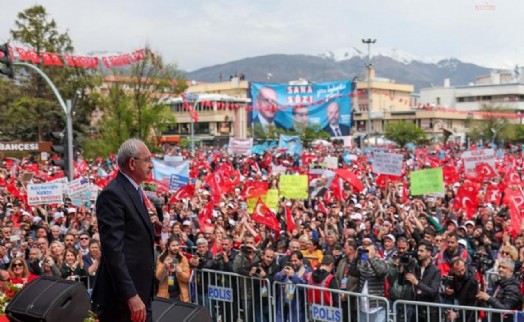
(447, 280)
(482, 262)
(406, 260)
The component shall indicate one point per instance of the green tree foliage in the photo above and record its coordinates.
(403, 132)
(133, 105)
(492, 129)
(31, 110)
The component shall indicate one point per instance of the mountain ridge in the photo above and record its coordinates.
(282, 68)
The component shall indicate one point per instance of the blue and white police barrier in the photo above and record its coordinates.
(230, 296)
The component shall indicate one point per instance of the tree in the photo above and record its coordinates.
(403, 132)
(490, 128)
(133, 106)
(36, 112)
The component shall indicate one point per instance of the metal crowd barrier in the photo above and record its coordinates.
(407, 311)
(303, 303)
(231, 297)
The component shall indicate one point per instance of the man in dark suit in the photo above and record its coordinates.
(334, 128)
(266, 104)
(123, 289)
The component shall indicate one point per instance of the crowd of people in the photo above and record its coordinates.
(378, 240)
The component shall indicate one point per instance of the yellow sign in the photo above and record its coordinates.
(293, 186)
(270, 199)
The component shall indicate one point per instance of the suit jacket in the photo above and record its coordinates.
(344, 130)
(256, 120)
(127, 265)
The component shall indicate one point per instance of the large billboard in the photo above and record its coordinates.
(327, 105)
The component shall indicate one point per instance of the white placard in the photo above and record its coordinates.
(331, 162)
(77, 187)
(44, 193)
(471, 158)
(387, 163)
(240, 146)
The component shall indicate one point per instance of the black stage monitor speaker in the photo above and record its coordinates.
(165, 310)
(50, 299)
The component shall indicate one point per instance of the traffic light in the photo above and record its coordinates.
(59, 147)
(7, 61)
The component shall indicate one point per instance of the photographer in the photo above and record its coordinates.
(224, 260)
(426, 281)
(203, 259)
(370, 270)
(172, 272)
(462, 288)
(401, 263)
(244, 265)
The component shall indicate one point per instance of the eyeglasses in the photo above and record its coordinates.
(84, 238)
(146, 160)
(18, 265)
(504, 253)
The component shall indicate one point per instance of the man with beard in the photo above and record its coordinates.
(506, 295)
(290, 301)
(245, 265)
(444, 257)
(172, 272)
(426, 282)
(463, 289)
(264, 268)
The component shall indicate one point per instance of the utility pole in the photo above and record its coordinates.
(369, 41)
(68, 110)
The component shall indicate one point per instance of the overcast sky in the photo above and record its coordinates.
(198, 33)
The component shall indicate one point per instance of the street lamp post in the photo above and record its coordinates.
(68, 110)
(369, 41)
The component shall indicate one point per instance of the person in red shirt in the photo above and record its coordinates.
(20, 272)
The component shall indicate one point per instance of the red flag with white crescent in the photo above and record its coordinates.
(186, 191)
(515, 200)
(263, 215)
(205, 215)
(290, 221)
(484, 171)
(466, 198)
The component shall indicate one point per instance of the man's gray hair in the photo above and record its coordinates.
(201, 241)
(127, 151)
(508, 262)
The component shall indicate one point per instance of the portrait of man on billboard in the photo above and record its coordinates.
(334, 128)
(266, 104)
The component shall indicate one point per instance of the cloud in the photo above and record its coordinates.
(200, 33)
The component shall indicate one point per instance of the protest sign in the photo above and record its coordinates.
(293, 186)
(471, 158)
(387, 163)
(270, 199)
(426, 181)
(331, 162)
(171, 174)
(44, 193)
(240, 146)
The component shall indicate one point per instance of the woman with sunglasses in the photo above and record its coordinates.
(20, 272)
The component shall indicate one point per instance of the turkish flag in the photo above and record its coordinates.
(484, 172)
(512, 178)
(205, 215)
(383, 179)
(515, 200)
(336, 189)
(351, 178)
(186, 191)
(254, 189)
(189, 108)
(263, 215)
(493, 194)
(466, 198)
(214, 180)
(290, 222)
(450, 174)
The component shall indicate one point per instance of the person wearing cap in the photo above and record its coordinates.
(389, 248)
(124, 290)
(323, 277)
